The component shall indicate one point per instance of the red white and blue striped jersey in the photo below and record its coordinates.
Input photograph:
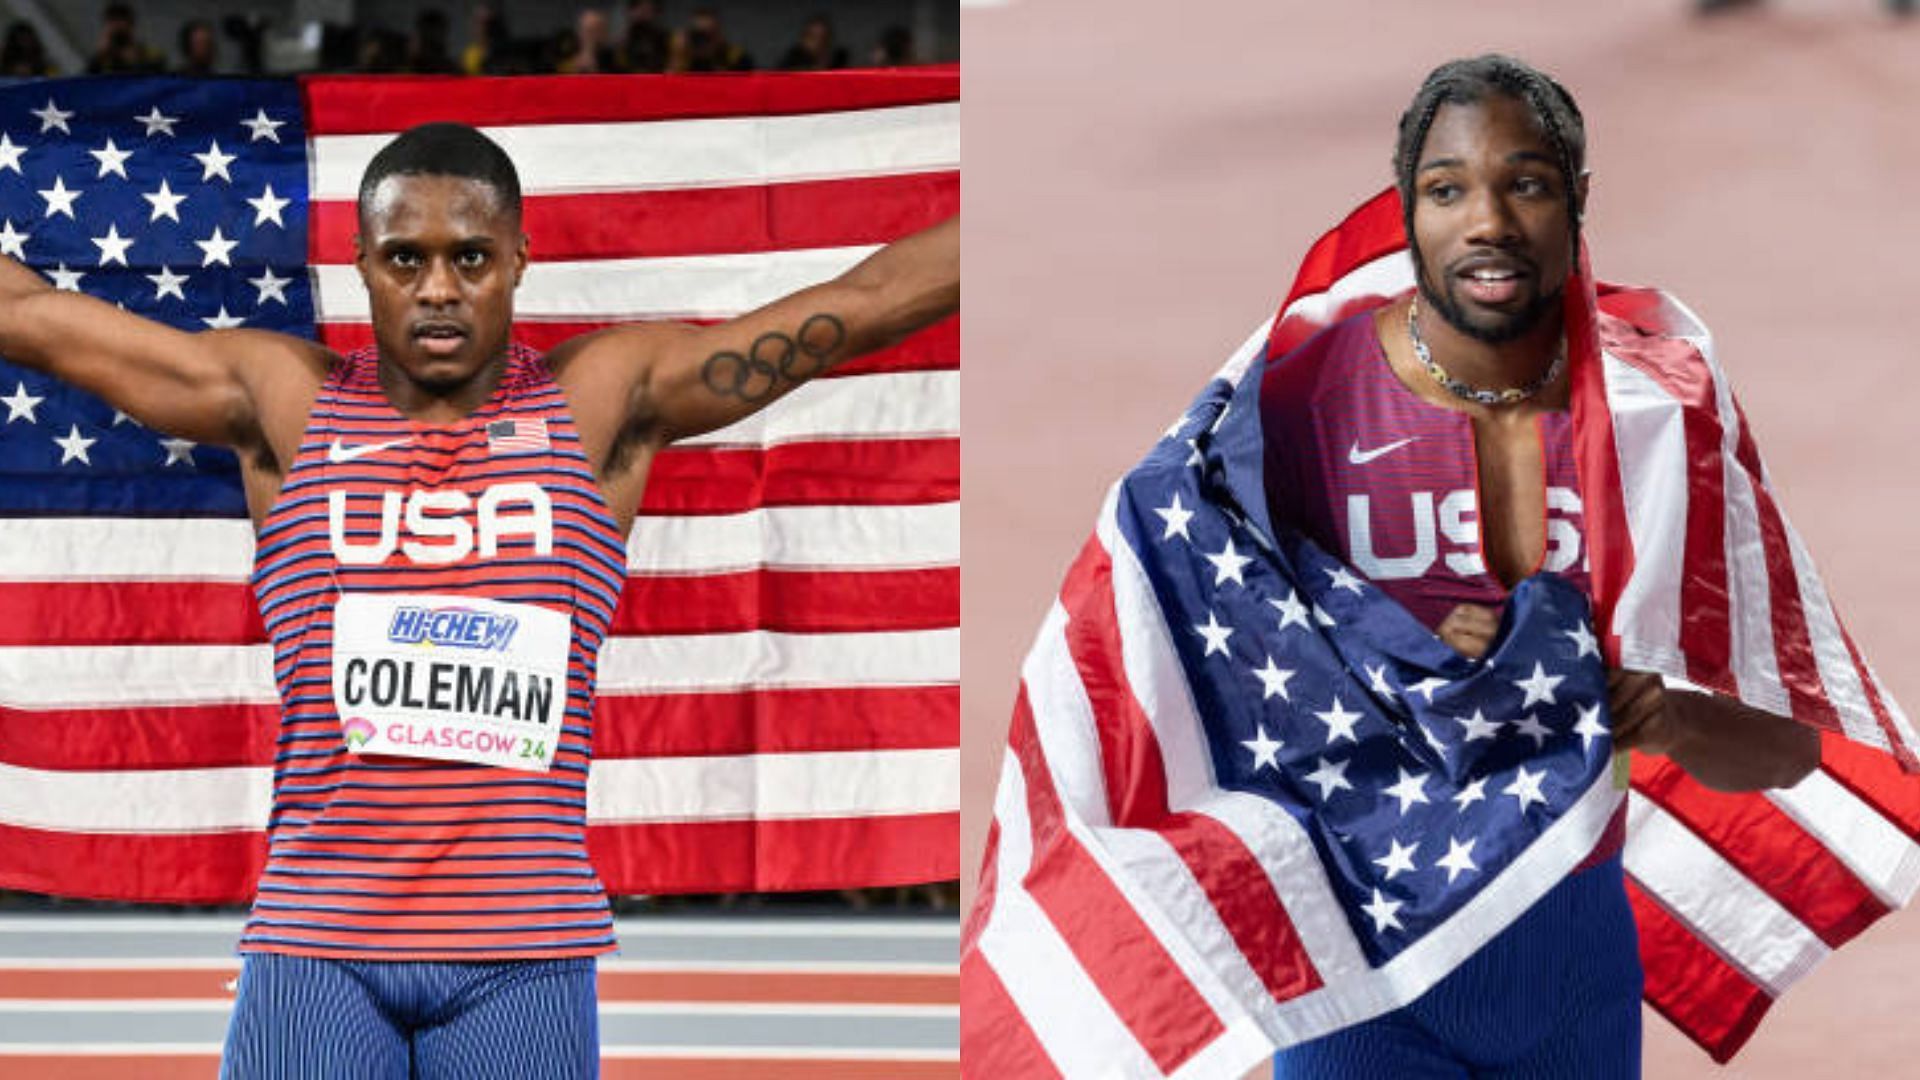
(384, 856)
(1390, 483)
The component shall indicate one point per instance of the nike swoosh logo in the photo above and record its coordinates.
(338, 454)
(1360, 457)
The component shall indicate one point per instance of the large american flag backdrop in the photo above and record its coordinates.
(779, 705)
(1240, 806)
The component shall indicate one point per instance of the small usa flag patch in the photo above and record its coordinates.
(516, 436)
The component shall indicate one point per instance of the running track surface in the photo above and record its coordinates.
(1142, 180)
(98, 996)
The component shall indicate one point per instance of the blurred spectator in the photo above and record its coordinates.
(120, 52)
(486, 41)
(427, 51)
(895, 48)
(815, 51)
(199, 48)
(382, 52)
(591, 53)
(249, 32)
(23, 54)
(703, 46)
(647, 44)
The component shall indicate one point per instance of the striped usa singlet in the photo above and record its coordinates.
(424, 554)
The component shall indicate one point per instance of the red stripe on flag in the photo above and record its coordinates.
(1792, 640)
(1875, 779)
(936, 348)
(129, 613)
(852, 472)
(1691, 985)
(1901, 751)
(190, 868)
(1148, 992)
(791, 601)
(776, 721)
(352, 104)
(768, 856)
(700, 221)
(1706, 635)
(1370, 232)
(1768, 848)
(202, 736)
(983, 896)
(996, 1039)
(1231, 876)
(1596, 458)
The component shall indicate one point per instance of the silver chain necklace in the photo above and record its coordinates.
(1468, 392)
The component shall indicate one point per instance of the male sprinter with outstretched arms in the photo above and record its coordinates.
(441, 527)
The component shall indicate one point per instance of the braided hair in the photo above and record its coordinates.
(1469, 82)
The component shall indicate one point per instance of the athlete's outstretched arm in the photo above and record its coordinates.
(680, 381)
(203, 387)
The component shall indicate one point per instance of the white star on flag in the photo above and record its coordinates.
(1384, 912)
(10, 152)
(53, 116)
(1530, 726)
(157, 121)
(1526, 787)
(1339, 722)
(178, 450)
(59, 198)
(267, 208)
(1292, 611)
(1397, 858)
(1216, 635)
(263, 128)
(1344, 580)
(1411, 789)
(1176, 517)
(1539, 686)
(271, 287)
(113, 247)
(21, 404)
(1377, 676)
(1478, 726)
(1320, 616)
(166, 281)
(1583, 640)
(165, 203)
(1472, 793)
(120, 417)
(11, 242)
(1589, 726)
(222, 321)
(217, 249)
(74, 446)
(64, 278)
(1228, 564)
(1425, 687)
(1273, 681)
(1331, 776)
(214, 163)
(1458, 859)
(1265, 750)
(112, 159)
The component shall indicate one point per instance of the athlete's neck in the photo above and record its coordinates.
(440, 403)
(1486, 365)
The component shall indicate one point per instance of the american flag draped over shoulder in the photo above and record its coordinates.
(1245, 803)
(778, 705)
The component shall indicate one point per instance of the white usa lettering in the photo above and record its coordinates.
(442, 517)
(1457, 520)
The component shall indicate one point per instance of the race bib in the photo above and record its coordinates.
(452, 677)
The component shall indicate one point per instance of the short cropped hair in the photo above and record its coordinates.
(445, 149)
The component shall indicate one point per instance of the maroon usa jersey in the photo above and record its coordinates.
(1390, 483)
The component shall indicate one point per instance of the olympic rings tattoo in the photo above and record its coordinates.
(755, 376)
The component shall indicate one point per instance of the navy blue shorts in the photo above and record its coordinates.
(1555, 996)
(300, 1018)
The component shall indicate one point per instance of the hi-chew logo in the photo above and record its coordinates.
(456, 627)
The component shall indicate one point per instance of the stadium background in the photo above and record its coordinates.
(1142, 183)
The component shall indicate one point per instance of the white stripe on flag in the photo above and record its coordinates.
(1716, 901)
(1066, 1011)
(1064, 721)
(126, 549)
(798, 538)
(774, 786)
(620, 791)
(665, 154)
(1756, 665)
(884, 405)
(668, 287)
(763, 659)
(1388, 275)
(93, 676)
(1652, 445)
(1838, 675)
(1876, 850)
